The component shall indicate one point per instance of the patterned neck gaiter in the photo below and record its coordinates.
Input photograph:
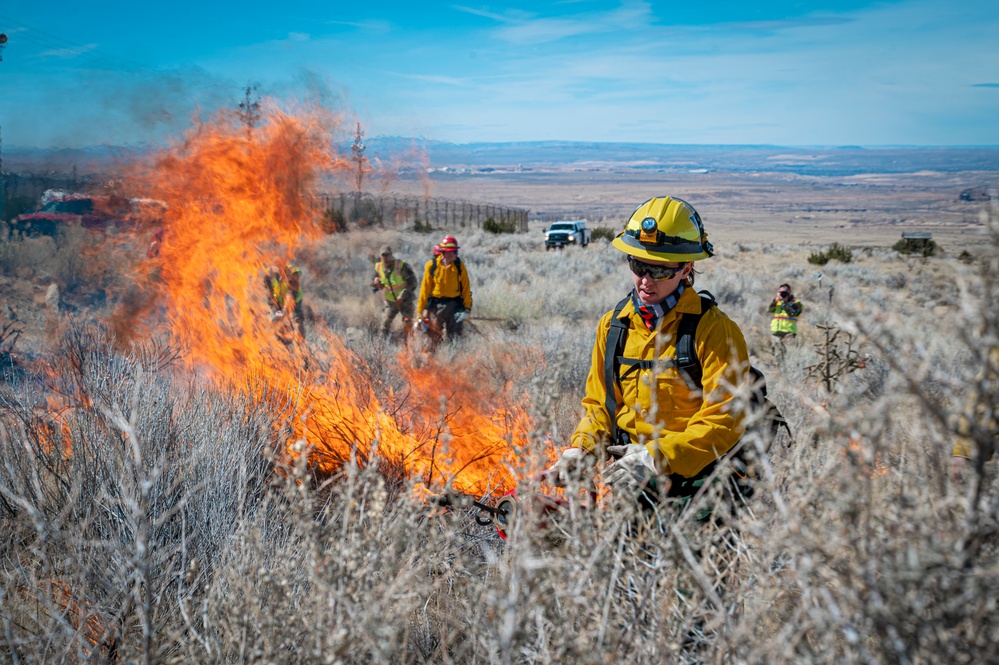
(652, 313)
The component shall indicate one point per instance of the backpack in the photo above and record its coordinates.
(689, 367)
(457, 262)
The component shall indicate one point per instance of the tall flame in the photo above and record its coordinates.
(239, 201)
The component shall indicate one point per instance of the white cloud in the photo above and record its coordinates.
(373, 25)
(68, 52)
(517, 27)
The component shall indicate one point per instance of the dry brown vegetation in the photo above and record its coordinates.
(172, 533)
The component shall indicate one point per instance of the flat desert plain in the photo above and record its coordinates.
(865, 210)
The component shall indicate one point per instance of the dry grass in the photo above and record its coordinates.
(170, 534)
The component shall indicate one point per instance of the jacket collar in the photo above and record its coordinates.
(689, 303)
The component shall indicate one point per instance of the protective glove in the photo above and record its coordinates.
(461, 316)
(632, 472)
(569, 466)
(420, 325)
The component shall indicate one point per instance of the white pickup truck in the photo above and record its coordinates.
(563, 233)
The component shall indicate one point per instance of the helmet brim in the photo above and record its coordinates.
(693, 251)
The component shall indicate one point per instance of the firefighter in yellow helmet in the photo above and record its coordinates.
(660, 390)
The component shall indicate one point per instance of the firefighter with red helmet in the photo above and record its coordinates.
(446, 293)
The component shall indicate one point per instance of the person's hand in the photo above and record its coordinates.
(568, 467)
(632, 471)
(461, 315)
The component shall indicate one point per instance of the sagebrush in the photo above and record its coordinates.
(152, 519)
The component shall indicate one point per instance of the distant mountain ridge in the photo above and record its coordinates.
(560, 155)
(819, 160)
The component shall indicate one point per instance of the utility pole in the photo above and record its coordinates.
(3, 41)
(358, 150)
(249, 110)
(2, 191)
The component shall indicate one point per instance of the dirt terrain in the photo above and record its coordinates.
(867, 210)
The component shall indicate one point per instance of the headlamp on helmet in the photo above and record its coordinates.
(649, 231)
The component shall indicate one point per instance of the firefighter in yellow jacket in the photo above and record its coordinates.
(446, 294)
(644, 403)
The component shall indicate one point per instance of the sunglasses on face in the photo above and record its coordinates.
(656, 272)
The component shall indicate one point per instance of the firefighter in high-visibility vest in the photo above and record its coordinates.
(293, 278)
(786, 309)
(275, 288)
(397, 282)
(284, 294)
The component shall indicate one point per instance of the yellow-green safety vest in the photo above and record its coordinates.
(394, 282)
(785, 317)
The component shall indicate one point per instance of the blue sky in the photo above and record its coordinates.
(808, 72)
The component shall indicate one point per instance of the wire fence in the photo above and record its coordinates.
(22, 192)
(400, 209)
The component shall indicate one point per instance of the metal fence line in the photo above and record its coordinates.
(400, 209)
(390, 209)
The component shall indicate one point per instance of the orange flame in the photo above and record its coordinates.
(238, 202)
(869, 462)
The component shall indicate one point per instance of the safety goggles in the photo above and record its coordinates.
(656, 272)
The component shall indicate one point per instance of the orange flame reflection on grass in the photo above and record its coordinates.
(238, 202)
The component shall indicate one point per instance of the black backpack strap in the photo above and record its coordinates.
(612, 359)
(687, 362)
(633, 364)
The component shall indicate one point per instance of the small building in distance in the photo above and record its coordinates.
(975, 194)
(916, 242)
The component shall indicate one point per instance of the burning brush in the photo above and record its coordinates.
(236, 203)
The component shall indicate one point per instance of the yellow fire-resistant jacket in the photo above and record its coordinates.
(684, 429)
(444, 282)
